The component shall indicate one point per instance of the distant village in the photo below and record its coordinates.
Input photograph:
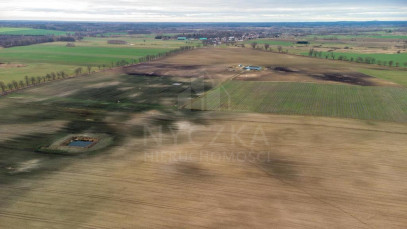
(217, 38)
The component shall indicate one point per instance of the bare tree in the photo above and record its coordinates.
(78, 71)
(266, 46)
(3, 87)
(280, 49)
(21, 83)
(27, 81)
(15, 84)
(310, 52)
(89, 67)
(254, 45)
(10, 86)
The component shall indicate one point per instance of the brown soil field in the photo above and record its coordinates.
(222, 63)
(231, 171)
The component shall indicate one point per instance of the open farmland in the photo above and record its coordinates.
(134, 41)
(81, 55)
(383, 46)
(256, 170)
(397, 76)
(192, 140)
(40, 59)
(184, 114)
(399, 59)
(30, 31)
(370, 103)
(10, 72)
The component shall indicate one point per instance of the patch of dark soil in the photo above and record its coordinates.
(191, 169)
(162, 66)
(353, 78)
(280, 168)
(144, 74)
(284, 69)
(152, 69)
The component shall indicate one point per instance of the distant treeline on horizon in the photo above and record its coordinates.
(40, 24)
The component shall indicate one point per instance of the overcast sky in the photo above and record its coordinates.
(204, 10)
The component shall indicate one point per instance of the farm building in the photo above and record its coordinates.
(181, 38)
(249, 68)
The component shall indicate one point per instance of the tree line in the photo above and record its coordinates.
(366, 60)
(8, 41)
(267, 47)
(80, 71)
(331, 55)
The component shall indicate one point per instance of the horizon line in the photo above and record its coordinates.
(97, 21)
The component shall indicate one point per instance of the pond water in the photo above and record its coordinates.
(80, 143)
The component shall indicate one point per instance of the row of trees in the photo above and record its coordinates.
(366, 60)
(8, 41)
(331, 55)
(32, 81)
(267, 47)
(164, 54)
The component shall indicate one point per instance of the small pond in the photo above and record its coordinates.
(80, 143)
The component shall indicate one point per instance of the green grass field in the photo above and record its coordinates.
(400, 58)
(396, 76)
(134, 42)
(369, 103)
(81, 55)
(41, 59)
(30, 31)
(33, 69)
